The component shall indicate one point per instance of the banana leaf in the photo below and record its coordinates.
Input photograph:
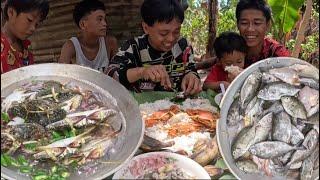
(158, 95)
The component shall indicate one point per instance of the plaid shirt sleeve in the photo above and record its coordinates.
(125, 59)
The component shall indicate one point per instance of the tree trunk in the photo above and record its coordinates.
(300, 35)
(213, 17)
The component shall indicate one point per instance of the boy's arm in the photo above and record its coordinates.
(112, 46)
(123, 65)
(67, 55)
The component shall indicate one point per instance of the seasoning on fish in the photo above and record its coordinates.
(305, 71)
(287, 149)
(310, 142)
(250, 136)
(287, 75)
(271, 149)
(248, 166)
(310, 83)
(268, 78)
(296, 135)
(234, 115)
(275, 91)
(308, 164)
(294, 107)
(281, 130)
(253, 110)
(249, 88)
(310, 99)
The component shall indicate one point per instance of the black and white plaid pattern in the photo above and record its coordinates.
(137, 52)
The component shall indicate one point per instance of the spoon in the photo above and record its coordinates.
(222, 88)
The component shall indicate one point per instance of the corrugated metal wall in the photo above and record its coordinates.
(123, 18)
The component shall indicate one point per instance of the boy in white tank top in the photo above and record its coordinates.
(92, 48)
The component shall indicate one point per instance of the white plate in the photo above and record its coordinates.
(217, 98)
(136, 166)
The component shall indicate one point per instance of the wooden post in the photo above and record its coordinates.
(300, 35)
(213, 17)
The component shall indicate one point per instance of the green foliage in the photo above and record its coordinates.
(310, 45)
(227, 20)
(285, 15)
(195, 26)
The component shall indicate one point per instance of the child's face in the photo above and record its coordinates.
(23, 25)
(95, 23)
(235, 58)
(163, 36)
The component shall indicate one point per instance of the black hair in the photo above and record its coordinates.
(153, 11)
(260, 5)
(26, 6)
(85, 7)
(228, 42)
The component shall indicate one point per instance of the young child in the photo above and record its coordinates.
(21, 20)
(92, 48)
(231, 51)
(159, 59)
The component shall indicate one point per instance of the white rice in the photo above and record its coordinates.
(159, 131)
(203, 104)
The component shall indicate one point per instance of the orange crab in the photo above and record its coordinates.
(162, 115)
(206, 118)
(179, 129)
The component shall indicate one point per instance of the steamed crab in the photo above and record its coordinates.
(201, 118)
(13, 137)
(176, 122)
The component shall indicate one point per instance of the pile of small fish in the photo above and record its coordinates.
(40, 109)
(274, 121)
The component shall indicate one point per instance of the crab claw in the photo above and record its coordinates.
(206, 118)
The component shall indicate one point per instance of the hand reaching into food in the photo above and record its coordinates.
(157, 73)
(191, 84)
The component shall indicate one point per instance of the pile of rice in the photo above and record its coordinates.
(160, 132)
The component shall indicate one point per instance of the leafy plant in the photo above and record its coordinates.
(285, 16)
(227, 20)
(195, 26)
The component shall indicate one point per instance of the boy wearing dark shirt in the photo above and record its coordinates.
(160, 59)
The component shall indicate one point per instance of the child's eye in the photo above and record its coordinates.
(30, 20)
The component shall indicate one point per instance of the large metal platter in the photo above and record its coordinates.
(224, 140)
(114, 95)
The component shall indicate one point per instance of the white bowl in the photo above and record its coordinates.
(136, 166)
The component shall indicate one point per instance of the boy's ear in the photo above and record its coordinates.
(11, 12)
(82, 24)
(145, 27)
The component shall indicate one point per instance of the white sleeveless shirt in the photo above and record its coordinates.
(100, 62)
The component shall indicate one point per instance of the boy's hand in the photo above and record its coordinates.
(191, 84)
(156, 73)
(233, 75)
